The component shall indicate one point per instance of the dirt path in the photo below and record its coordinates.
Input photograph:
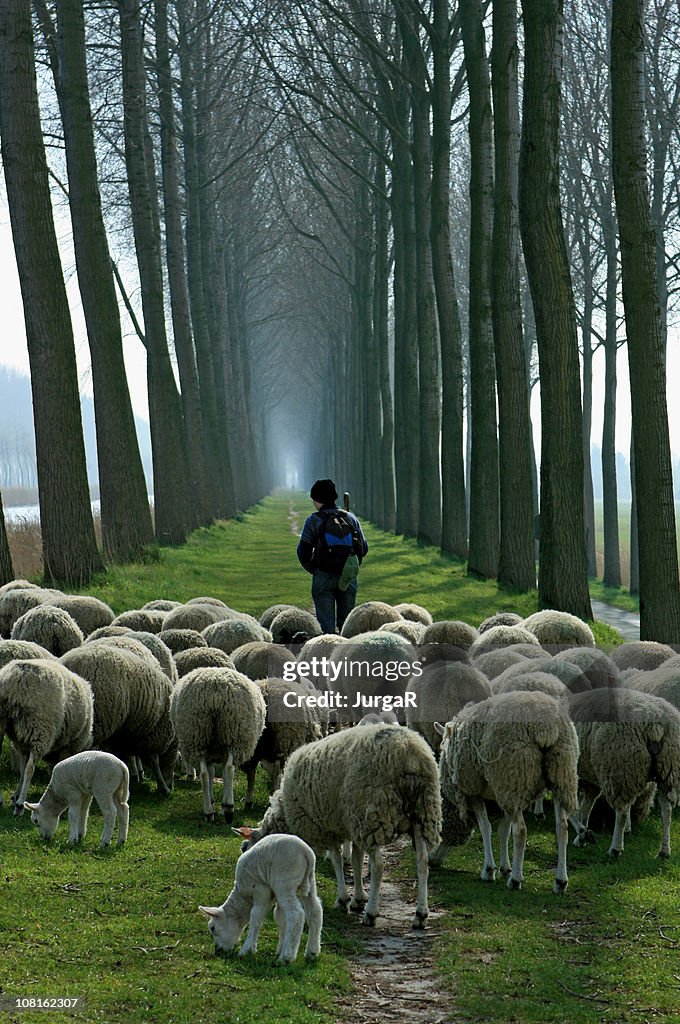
(394, 974)
(293, 520)
(628, 623)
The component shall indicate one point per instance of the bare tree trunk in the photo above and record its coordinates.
(6, 567)
(659, 590)
(611, 576)
(69, 548)
(588, 499)
(563, 578)
(381, 327)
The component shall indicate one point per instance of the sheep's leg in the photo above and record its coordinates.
(250, 786)
(108, 809)
(163, 788)
(257, 918)
(562, 833)
(314, 915)
(123, 811)
(629, 823)
(488, 873)
(538, 809)
(336, 860)
(133, 768)
(504, 828)
(29, 769)
(293, 919)
(228, 790)
(275, 776)
(347, 852)
(583, 833)
(206, 788)
(375, 861)
(422, 867)
(359, 900)
(73, 823)
(616, 848)
(84, 814)
(519, 843)
(666, 809)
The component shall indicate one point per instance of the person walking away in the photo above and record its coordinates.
(331, 548)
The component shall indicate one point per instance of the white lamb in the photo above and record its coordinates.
(279, 870)
(74, 781)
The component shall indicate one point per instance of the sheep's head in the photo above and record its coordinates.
(45, 821)
(247, 835)
(225, 925)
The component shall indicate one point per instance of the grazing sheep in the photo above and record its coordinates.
(367, 617)
(450, 631)
(126, 643)
(502, 636)
(280, 870)
(50, 627)
(368, 786)
(556, 630)
(511, 748)
(260, 660)
(89, 612)
(628, 739)
(131, 704)
(73, 784)
(269, 614)
(104, 631)
(201, 657)
(15, 603)
(46, 711)
(160, 651)
(373, 670)
(161, 605)
(22, 650)
(232, 633)
(643, 654)
(147, 620)
(321, 648)
(410, 630)
(597, 670)
(442, 691)
(495, 662)
(194, 616)
(537, 681)
(18, 585)
(214, 601)
(499, 619)
(219, 716)
(414, 613)
(294, 622)
(182, 639)
(384, 718)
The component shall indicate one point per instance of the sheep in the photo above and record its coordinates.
(182, 639)
(269, 614)
(219, 716)
(193, 616)
(414, 613)
(493, 663)
(160, 651)
(368, 786)
(556, 630)
(73, 784)
(366, 617)
(643, 654)
(214, 601)
(371, 672)
(201, 657)
(14, 603)
(410, 630)
(104, 631)
(18, 585)
(294, 623)
(131, 704)
(47, 712)
(383, 718)
(628, 739)
(147, 620)
(596, 668)
(320, 648)
(50, 627)
(502, 636)
(127, 643)
(450, 631)
(499, 619)
(510, 748)
(442, 691)
(22, 650)
(161, 605)
(281, 870)
(232, 633)
(538, 681)
(89, 612)
(260, 660)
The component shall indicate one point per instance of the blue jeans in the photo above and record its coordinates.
(328, 599)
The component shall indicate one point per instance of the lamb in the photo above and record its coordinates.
(232, 633)
(628, 740)
(201, 657)
(502, 636)
(182, 639)
(368, 786)
(294, 623)
(367, 617)
(643, 654)
(51, 627)
(147, 620)
(46, 711)
(89, 612)
(556, 630)
(73, 784)
(450, 631)
(414, 613)
(442, 691)
(219, 716)
(260, 660)
(510, 748)
(281, 870)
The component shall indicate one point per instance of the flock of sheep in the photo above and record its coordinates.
(490, 721)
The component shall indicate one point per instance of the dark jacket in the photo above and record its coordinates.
(309, 537)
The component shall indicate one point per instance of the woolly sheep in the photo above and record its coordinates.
(512, 681)
(414, 613)
(260, 660)
(441, 692)
(127, 643)
(73, 784)
(280, 870)
(596, 668)
(214, 601)
(450, 631)
(193, 616)
(410, 630)
(627, 740)
(269, 614)
(219, 716)
(495, 662)
(366, 617)
(319, 647)
(383, 718)
(232, 633)
(131, 704)
(18, 585)
(14, 603)
(160, 651)
(145, 620)
(566, 673)
(22, 650)
(664, 682)
(182, 639)
(555, 629)
(50, 627)
(510, 748)
(373, 669)
(368, 786)
(104, 631)
(201, 657)
(161, 605)
(46, 710)
(643, 654)
(499, 619)
(89, 612)
(502, 636)
(294, 623)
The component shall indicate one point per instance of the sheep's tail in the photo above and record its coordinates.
(421, 799)
(560, 761)
(309, 881)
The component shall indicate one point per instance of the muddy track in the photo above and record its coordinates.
(394, 974)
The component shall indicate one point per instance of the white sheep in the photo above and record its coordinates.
(367, 617)
(294, 625)
(279, 870)
(51, 627)
(555, 630)
(73, 784)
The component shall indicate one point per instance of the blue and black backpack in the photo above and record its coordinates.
(338, 539)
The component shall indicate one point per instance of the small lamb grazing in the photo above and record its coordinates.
(74, 781)
(280, 870)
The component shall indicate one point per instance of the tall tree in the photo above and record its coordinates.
(6, 567)
(69, 547)
(563, 579)
(659, 589)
